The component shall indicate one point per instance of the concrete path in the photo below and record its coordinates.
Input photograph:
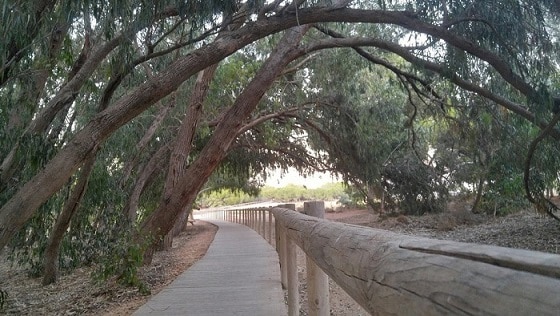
(239, 275)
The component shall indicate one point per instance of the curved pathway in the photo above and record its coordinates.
(239, 275)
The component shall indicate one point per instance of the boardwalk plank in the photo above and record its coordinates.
(239, 275)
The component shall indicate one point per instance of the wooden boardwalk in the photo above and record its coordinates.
(239, 275)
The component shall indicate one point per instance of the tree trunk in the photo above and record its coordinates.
(52, 251)
(178, 227)
(161, 221)
(179, 159)
(479, 192)
(144, 179)
(181, 222)
(178, 162)
(148, 135)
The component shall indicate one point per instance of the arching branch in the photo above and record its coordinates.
(437, 68)
(542, 204)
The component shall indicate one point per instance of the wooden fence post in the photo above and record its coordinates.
(269, 227)
(263, 223)
(292, 273)
(317, 280)
(281, 249)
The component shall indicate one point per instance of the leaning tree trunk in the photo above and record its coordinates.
(52, 251)
(161, 221)
(178, 162)
(147, 174)
(479, 192)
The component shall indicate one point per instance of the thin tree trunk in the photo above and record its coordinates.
(148, 135)
(178, 227)
(144, 179)
(52, 251)
(479, 192)
(178, 162)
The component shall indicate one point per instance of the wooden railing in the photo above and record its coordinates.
(389, 273)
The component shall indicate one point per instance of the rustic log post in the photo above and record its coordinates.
(277, 239)
(293, 281)
(281, 249)
(258, 221)
(255, 221)
(263, 223)
(290, 252)
(269, 227)
(317, 280)
(281, 238)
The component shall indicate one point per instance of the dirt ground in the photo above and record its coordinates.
(77, 294)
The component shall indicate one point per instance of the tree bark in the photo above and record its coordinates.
(179, 158)
(52, 251)
(179, 162)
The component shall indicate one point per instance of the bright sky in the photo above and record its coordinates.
(276, 179)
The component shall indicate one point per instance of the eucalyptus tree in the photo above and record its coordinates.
(451, 37)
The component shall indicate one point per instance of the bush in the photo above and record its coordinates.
(504, 196)
(124, 262)
(414, 187)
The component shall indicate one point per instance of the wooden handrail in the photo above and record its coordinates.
(389, 273)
